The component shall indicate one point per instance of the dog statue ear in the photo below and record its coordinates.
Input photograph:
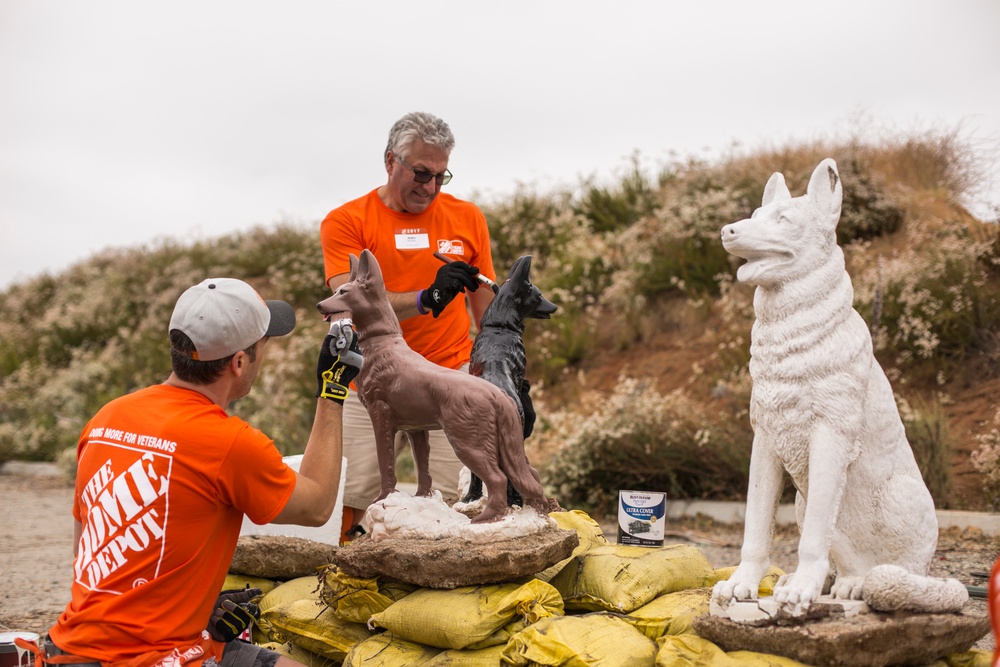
(519, 270)
(825, 190)
(368, 268)
(775, 189)
(354, 268)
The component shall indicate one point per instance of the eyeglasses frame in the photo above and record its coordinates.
(440, 179)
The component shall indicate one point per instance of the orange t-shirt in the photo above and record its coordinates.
(404, 245)
(164, 478)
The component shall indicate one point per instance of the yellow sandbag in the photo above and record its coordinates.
(971, 658)
(302, 588)
(500, 637)
(622, 578)
(386, 650)
(357, 600)
(301, 655)
(467, 616)
(590, 534)
(766, 586)
(314, 627)
(580, 641)
(241, 581)
(693, 651)
(484, 657)
(670, 614)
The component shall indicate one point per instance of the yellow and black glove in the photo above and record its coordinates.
(234, 612)
(339, 361)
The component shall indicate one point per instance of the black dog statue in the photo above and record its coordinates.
(498, 353)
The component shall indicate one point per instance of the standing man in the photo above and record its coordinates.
(403, 223)
(165, 477)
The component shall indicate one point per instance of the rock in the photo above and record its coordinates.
(452, 562)
(280, 557)
(866, 640)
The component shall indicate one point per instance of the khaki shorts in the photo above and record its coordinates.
(362, 481)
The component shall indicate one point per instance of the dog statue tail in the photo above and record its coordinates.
(892, 588)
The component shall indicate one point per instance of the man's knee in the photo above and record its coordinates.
(242, 654)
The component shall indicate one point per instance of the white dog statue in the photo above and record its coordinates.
(822, 409)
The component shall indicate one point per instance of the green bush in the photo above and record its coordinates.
(637, 438)
(609, 209)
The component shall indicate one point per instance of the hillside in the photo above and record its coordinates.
(670, 359)
(640, 380)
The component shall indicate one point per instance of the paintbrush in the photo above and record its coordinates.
(480, 277)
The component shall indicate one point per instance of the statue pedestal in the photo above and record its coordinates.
(872, 639)
(451, 562)
(422, 541)
(764, 611)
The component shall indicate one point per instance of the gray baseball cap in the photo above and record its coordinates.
(222, 316)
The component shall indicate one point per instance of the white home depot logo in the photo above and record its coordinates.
(447, 247)
(124, 512)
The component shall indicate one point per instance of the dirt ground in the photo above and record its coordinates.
(36, 548)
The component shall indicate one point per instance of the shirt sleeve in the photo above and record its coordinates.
(340, 237)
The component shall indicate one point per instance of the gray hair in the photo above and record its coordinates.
(426, 127)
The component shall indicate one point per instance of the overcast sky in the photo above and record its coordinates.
(126, 121)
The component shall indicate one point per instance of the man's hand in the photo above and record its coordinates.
(452, 278)
(233, 613)
(339, 361)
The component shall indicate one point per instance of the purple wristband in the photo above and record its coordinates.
(420, 306)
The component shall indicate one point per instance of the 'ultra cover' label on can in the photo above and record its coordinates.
(640, 518)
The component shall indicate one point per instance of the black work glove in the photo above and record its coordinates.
(527, 407)
(234, 612)
(339, 361)
(452, 278)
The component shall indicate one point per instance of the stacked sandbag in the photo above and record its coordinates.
(693, 651)
(307, 658)
(471, 617)
(591, 639)
(589, 532)
(311, 625)
(622, 578)
(607, 604)
(300, 588)
(387, 650)
(355, 599)
(237, 581)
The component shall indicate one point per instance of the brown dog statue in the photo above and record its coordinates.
(404, 391)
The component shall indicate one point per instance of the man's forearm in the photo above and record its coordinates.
(318, 479)
(404, 304)
(323, 457)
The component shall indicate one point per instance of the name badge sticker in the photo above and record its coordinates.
(412, 239)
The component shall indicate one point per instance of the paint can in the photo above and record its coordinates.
(640, 518)
(12, 655)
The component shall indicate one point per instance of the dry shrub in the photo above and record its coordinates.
(638, 438)
(926, 424)
(986, 460)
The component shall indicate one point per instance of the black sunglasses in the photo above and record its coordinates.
(421, 176)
